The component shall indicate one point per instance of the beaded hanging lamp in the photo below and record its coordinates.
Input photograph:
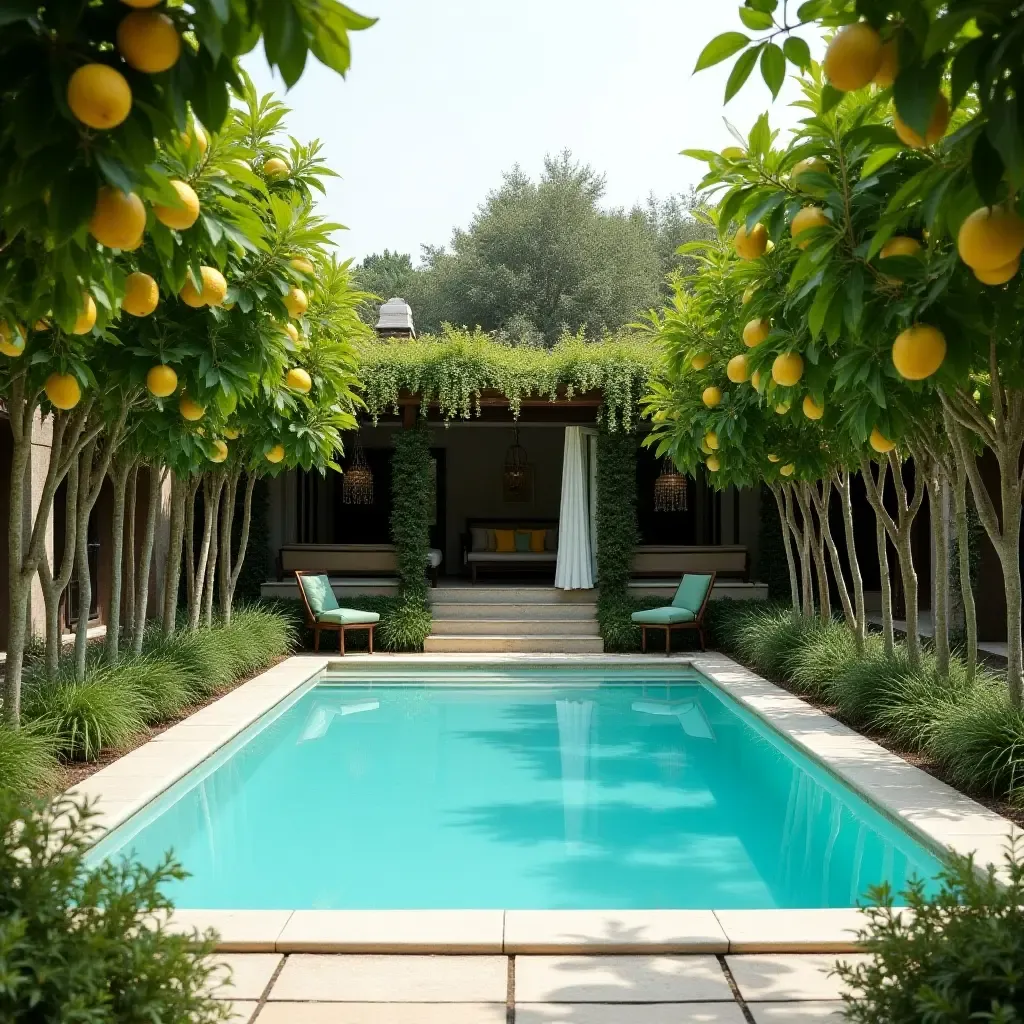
(670, 489)
(357, 483)
(515, 465)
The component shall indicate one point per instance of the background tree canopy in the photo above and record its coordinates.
(542, 257)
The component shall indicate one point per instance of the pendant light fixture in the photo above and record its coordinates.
(357, 483)
(670, 489)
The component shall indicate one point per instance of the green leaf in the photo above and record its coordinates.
(878, 159)
(916, 91)
(741, 71)
(811, 10)
(987, 168)
(830, 98)
(721, 48)
(1004, 132)
(773, 68)
(797, 52)
(756, 20)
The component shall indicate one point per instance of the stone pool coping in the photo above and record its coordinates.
(935, 813)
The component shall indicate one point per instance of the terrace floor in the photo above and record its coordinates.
(341, 989)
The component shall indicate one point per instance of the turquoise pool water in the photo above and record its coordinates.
(595, 795)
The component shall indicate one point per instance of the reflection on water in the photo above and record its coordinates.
(610, 796)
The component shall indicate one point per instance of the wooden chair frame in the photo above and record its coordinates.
(327, 627)
(697, 623)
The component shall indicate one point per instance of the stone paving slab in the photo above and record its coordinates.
(784, 977)
(395, 979)
(602, 1013)
(244, 975)
(383, 1013)
(241, 1012)
(240, 931)
(791, 931)
(618, 931)
(797, 1013)
(620, 979)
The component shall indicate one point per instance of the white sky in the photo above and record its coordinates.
(444, 95)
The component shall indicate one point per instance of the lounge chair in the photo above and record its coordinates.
(324, 613)
(685, 612)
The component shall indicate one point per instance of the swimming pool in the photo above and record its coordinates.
(550, 790)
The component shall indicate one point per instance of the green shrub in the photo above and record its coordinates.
(404, 626)
(979, 738)
(725, 618)
(84, 717)
(28, 762)
(81, 944)
(824, 652)
(955, 958)
(257, 637)
(769, 639)
(206, 662)
(159, 681)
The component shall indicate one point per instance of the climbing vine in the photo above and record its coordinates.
(454, 369)
(410, 509)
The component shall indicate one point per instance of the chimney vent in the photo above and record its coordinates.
(396, 320)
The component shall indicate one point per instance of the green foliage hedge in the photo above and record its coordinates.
(969, 727)
(91, 944)
(454, 368)
(403, 626)
(410, 509)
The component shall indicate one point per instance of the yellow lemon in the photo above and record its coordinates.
(141, 3)
(701, 360)
(782, 408)
(292, 331)
(713, 463)
(704, 448)
(711, 440)
(118, 218)
(751, 244)
(141, 295)
(62, 390)
(12, 342)
(183, 216)
(99, 96)
(773, 458)
(788, 369)
(276, 454)
(812, 165)
(711, 397)
(788, 470)
(296, 302)
(275, 167)
(220, 451)
(1000, 275)
(936, 126)
(231, 433)
(807, 219)
(880, 442)
(215, 288)
(748, 294)
(918, 352)
(196, 137)
(812, 410)
(755, 332)
(755, 380)
(889, 67)
(162, 381)
(853, 58)
(991, 237)
(733, 153)
(148, 41)
(190, 410)
(298, 380)
(302, 265)
(900, 245)
(86, 319)
(736, 369)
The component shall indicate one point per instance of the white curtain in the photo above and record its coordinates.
(573, 571)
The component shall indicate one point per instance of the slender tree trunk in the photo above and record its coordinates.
(122, 470)
(817, 551)
(156, 482)
(800, 537)
(211, 493)
(822, 502)
(963, 542)
(190, 530)
(55, 583)
(217, 487)
(940, 567)
(131, 506)
(844, 486)
(172, 575)
(875, 493)
(82, 563)
(794, 586)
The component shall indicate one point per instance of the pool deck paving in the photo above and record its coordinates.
(307, 988)
(937, 814)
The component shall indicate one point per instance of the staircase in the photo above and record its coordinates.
(497, 620)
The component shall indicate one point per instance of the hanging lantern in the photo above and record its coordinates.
(357, 483)
(670, 489)
(515, 466)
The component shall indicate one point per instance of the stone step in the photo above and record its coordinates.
(513, 644)
(483, 594)
(473, 610)
(513, 627)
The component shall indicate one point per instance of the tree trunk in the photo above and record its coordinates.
(822, 502)
(156, 483)
(964, 561)
(940, 568)
(172, 575)
(817, 547)
(204, 548)
(82, 563)
(800, 537)
(875, 492)
(122, 470)
(131, 505)
(190, 531)
(844, 486)
(217, 488)
(55, 582)
(794, 587)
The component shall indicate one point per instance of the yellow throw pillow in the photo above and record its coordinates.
(537, 541)
(506, 541)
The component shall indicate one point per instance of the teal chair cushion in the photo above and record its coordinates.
(348, 617)
(663, 616)
(319, 594)
(692, 590)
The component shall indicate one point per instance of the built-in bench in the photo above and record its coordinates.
(347, 560)
(480, 545)
(729, 561)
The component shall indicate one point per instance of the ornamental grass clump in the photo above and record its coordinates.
(256, 637)
(90, 944)
(159, 682)
(824, 650)
(770, 640)
(206, 662)
(955, 957)
(28, 763)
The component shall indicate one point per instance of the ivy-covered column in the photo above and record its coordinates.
(410, 509)
(617, 536)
